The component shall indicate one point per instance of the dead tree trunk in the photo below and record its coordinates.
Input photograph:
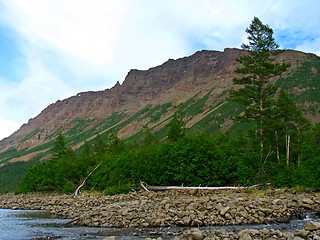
(288, 149)
(148, 188)
(277, 145)
(84, 181)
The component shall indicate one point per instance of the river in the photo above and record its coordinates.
(31, 224)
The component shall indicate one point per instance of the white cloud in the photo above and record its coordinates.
(8, 127)
(310, 46)
(85, 29)
(21, 101)
(80, 45)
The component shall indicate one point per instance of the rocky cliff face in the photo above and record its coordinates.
(172, 82)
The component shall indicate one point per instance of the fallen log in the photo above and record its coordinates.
(76, 192)
(71, 222)
(148, 188)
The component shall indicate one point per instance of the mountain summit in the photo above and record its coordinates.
(200, 82)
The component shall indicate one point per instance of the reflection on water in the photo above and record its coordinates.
(25, 224)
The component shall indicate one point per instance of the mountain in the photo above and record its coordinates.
(200, 82)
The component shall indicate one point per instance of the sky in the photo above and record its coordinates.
(53, 49)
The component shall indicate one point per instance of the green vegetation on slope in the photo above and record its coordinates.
(214, 120)
(305, 80)
(216, 160)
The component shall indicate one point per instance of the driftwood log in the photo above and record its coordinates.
(84, 180)
(148, 188)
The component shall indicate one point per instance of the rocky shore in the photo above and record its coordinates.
(175, 208)
(311, 231)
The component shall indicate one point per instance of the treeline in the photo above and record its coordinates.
(181, 158)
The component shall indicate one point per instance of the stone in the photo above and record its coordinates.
(277, 202)
(307, 201)
(298, 238)
(196, 222)
(219, 232)
(288, 235)
(192, 206)
(196, 234)
(145, 224)
(186, 220)
(243, 214)
(312, 226)
(111, 238)
(302, 233)
(316, 237)
(194, 191)
(223, 211)
(242, 234)
(245, 236)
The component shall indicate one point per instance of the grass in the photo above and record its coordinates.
(157, 111)
(29, 135)
(305, 79)
(240, 127)
(197, 106)
(213, 121)
(189, 101)
(12, 173)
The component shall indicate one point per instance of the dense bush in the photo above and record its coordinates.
(202, 159)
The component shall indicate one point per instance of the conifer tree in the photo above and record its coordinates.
(289, 121)
(99, 145)
(59, 149)
(149, 136)
(258, 67)
(176, 125)
(114, 143)
(86, 149)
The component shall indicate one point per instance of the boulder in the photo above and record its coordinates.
(111, 238)
(308, 201)
(223, 211)
(298, 238)
(302, 233)
(196, 234)
(312, 226)
(246, 233)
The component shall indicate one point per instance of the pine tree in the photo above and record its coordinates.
(258, 67)
(176, 125)
(86, 149)
(99, 145)
(114, 143)
(289, 121)
(149, 136)
(59, 149)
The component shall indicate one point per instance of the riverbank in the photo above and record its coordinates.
(163, 209)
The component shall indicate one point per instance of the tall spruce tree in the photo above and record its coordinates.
(59, 149)
(289, 122)
(176, 125)
(258, 67)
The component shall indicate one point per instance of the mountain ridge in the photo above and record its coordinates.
(145, 97)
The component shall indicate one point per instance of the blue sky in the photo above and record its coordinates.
(53, 49)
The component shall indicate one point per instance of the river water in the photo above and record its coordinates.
(30, 224)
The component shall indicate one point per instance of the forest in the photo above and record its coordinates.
(282, 147)
(192, 160)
